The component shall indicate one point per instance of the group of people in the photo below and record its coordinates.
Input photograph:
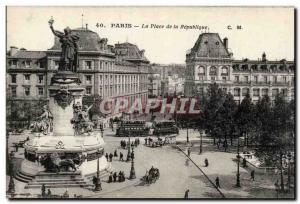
(148, 141)
(114, 177)
(110, 156)
(44, 194)
(125, 144)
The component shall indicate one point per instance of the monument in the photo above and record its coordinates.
(65, 150)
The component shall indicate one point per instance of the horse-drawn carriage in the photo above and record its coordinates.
(151, 176)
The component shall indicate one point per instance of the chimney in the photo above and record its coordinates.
(264, 57)
(225, 42)
(13, 50)
(142, 53)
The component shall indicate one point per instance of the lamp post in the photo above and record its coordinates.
(132, 170)
(238, 184)
(128, 152)
(98, 182)
(289, 157)
(187, 132)
(200, 151)
(11, 185)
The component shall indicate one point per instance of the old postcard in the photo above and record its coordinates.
(150, 102)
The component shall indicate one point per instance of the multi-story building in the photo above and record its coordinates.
(105, 70)
(210, 61)
(166, 79)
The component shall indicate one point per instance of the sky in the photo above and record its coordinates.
(264, 29)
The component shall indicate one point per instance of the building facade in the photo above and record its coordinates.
(210, 61)
(119, 71)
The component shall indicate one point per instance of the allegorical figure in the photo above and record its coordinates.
(69, 48)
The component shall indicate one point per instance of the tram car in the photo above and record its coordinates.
(165, 127)
(132, 128)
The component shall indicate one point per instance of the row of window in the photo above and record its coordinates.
(256, 91)
(264, 92)
(40, 78)
(26, 91)
(264, 79)
(212, 70)
(24, 64)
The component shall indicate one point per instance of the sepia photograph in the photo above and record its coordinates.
(151, 102)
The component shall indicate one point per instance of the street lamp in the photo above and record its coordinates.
(132, 170)
(200, 151)
(289, 157)
(187, 132)
(98, 182)
(128, 153)
(238, 184)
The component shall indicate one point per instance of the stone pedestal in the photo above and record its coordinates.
(64, 91)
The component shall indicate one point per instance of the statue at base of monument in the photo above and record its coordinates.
(53, 163)
(69, 48)
(43, 123)
(81, 122)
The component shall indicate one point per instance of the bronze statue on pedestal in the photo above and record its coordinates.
(69, 48)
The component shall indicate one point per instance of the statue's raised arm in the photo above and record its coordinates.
(69, 48)
(55, 32)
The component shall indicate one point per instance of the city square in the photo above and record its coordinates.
(87, 118)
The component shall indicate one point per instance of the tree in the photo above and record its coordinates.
(215, 99)
(262, 115)
(227, 123)
(276, 140)
(245, 117)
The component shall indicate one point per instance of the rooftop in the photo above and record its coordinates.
(210, 45)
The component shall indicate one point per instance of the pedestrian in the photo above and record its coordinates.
(252, 175)
(115, 176)
(110, 178)
(120, 176)
(106, 156)
(115, 153)
(189, 151)
(94, 180)
(49, 192)
(123, 176)
(66, 194)
(146, 139)
(218, 182)
(110, 157)
(17, 147)
(132, 155)
(244, 162)
(121, 156)
(43, 189)
(206, 162)
(186, 194)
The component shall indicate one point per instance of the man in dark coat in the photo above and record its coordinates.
(106, 156)
(115, 176)
(132, 155)
(120, 177)
(206, 162)
(218, 182)
(121, 156)
(110, 178)
(115, 153)
(110, 157)
(252, 175)
(186, 194)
